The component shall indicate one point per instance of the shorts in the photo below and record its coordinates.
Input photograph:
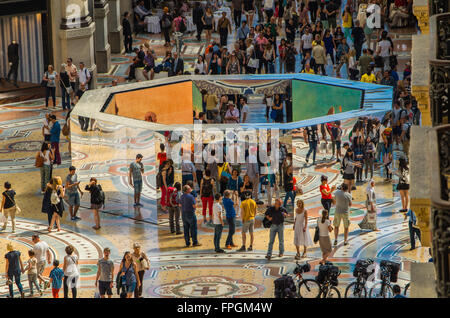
(130, 288)
(249, 12)
(74, 199)
(104, 288)
(207, 27)
(341, 216)
(403, 186)
(137, 186)
(40, 267)
(72, 84)
(338, 144)
(349, 176)
(96, 206)
(248, 226)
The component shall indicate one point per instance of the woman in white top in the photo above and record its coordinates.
(201, 65)
(142, 264)
(301, 232)
(325, 228)
(370, 219)
(51, 78)
(71, 273)
(45, 155)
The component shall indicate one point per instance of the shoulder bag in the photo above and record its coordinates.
(18, 210)
(253, 61)
(39, 161)
(316, 233)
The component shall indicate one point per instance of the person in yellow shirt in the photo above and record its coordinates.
(308, 69)
(369, 77)
(211, 101)
(248, 212)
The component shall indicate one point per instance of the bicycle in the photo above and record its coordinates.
(406, 291)
(357, 289)
(328, 289)
(382, 289)
(307, 288)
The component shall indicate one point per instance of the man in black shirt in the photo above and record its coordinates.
(332, 9)
(311, 138)
(358, 37)
(127, 33)
(276, 214)
(197, 14)
(138, 61)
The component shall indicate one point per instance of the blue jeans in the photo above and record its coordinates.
(65, 98)
(190, 229)
(274, 230)
(313, 149)
(231, 230)
(291, 195)
(217, 234)
(16, 278)
(412, 234)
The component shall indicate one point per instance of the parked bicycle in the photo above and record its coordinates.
(388, 273)
(362, 271)
(307, 288)
(406, 291)
(328, 280)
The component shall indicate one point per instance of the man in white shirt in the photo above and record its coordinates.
(384, 49)
(84, 75)
(232, 114)
(306, 42)
(43, 256)
(46, 127)
(72, 71)
(218, 223)
(244, 110)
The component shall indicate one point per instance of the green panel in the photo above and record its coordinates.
(311, 100)
(196, 99)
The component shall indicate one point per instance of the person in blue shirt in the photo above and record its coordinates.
(397, 292)
(230, 214)
(14, 267)
(413, 229)
(55, 133)
(56, 276)
(188, 207)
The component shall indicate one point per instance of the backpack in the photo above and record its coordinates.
(182, 26)
(88, 74)
(54, 198)
(285, 287)
(416, 112)
(101, 196)
(207, 189)
(172, 197)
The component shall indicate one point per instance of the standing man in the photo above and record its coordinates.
(178, 65)
(237, 12)
(72, 189)
(188, 207)
(243, 31)
(248, 212)
(343, 203)
(197, 14)
(253, 174)
(135, 178)
(268, 8)
(46, 127)
(127, 33)
(413, 228)
(311, 138)
(358, 37)
(224, 27)
(13, 60)
(55, 133)
(188, 172)
(72, 71)
(276, 214)
(43, 256)
(245, 110)
(105, 274)
(84, 75)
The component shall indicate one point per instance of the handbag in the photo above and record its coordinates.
(316, 233)
(65, 130)
(253, 61)
(43, 82)
(266, 223)
(39, 161)
(145, 265)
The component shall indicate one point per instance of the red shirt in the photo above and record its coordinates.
(327, 188)
(162, 156)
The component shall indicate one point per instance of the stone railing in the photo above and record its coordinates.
(440, 206)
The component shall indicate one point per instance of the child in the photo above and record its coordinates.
(56, 276)
(32, 272)
(301, 232)
(387, 161)
(190, 183)
(218, 223)
(174, 209)
(230, 213)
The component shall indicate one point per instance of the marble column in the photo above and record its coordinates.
(77, 34)
(115, 27)
(102, 47)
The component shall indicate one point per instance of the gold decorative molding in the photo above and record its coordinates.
(422, 208)
(422, 95)
(423, 18)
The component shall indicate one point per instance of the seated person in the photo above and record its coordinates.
(398, 16)
(141, 10)
(149, 62)
(150, 117)
(138, 61)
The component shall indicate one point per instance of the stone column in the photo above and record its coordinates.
(77, 34)
(102, 47)
(115, 27)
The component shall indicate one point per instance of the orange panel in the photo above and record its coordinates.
(171, 103)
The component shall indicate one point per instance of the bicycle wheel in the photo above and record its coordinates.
(381, 291)
(333, 292)
(356, 290)
(309, 288)
(407, 290)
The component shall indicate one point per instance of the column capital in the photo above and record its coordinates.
(423, 18)
(101, 12)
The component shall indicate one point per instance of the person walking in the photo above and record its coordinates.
(348, 166)
(197, 14)
(9, 207)
(230, 214)
(369, 221)
(208, 23)
(64, 85)
(413, 228)
(56, 201)
(105, 274)
(135, 178)
(311, 137)
(224, 28)
(97, 200)
(73, 192)
(326, 192)
(276, 215)
(31, 269)
(325, 228)
(207, 185)
(289, 186)
(71, 272)
(51, 78)
(218, 223)
(129, 275)
(56, 278)
(403, 183)
(166, 25)
(248, 212)
(43, 257)
(301, 232)
(343, 203)
(174, 203)
(55, 134)
(13, 269)
(188, 207)
(143, 264)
